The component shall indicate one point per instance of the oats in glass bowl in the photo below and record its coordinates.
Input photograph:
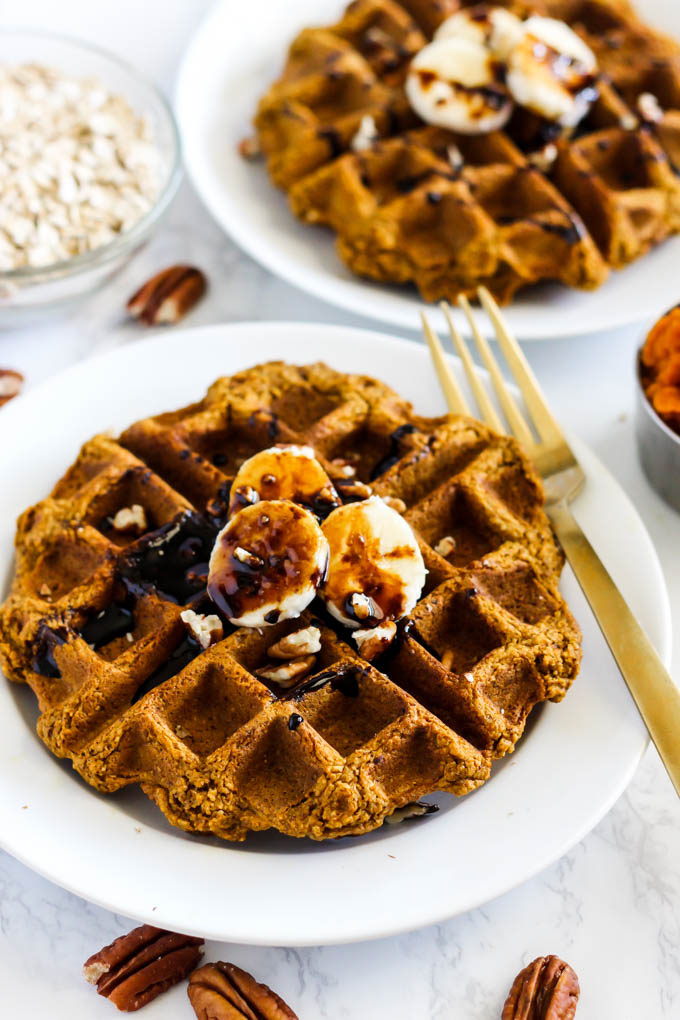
(89, 159)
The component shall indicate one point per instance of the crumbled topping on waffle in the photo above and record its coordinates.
(373, 641)
(445, 546)
(130, 518)
(285, 674)
(206, 629)
(409, 811)
(306, 641)
(650, 108)
(366, 136)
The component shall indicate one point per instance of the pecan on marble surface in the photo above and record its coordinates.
(168, 296)
(222, 991)
(547, 989)
(139, 966)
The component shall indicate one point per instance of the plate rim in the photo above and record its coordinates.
(356, 295)
(436, 912)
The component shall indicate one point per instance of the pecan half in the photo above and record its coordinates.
(222, 991)
(351, 490)
(10, 384)
(288, 673)
(545, 990)
(139, 966)
(306, 641)
(414, 810)
(167, 296)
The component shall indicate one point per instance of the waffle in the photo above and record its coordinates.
(497, 214)
(124, 690)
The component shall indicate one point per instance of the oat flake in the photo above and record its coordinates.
(78, 166)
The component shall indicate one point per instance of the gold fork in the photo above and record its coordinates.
(655, 694)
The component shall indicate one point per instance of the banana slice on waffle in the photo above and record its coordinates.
(456, 83)
(284, 472)
(551, 71)
(376, 571)
(496, 28)
(267, 563)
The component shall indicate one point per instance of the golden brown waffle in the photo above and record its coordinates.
(497, 214)
(93, 624)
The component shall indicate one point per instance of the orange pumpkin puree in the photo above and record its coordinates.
(660, 368)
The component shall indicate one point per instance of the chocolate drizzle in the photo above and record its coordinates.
(46, 641)
(322, 504)
(217, 509)
(495, 96)
(294, 721)
(265, 418)
(571, 232)
(172, 561)
(111, 623)
(395, 452)
(332, 138)
(344, 678)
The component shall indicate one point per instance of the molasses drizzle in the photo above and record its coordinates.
(395, 452)
(344, 679)
(46, 641)
(111, 623)
(173, 560)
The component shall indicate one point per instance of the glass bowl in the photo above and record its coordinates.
(29, 290)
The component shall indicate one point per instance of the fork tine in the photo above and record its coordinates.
(546, 426)
(452, 392)
(489, 413)
(518, 426)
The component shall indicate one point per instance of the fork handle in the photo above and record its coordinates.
(655, 694)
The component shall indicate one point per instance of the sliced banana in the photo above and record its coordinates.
(552, 71)
(267, 563)
(496, 28)
(284, 472)
(375, 572)
(455, 83)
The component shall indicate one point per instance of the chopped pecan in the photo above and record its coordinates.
(139, 966)
(373, 641)
(396, 503)
(167, 296)
(131, 518)
(306, 641)
(10, 384)
(545, 990)
(221, 991)
(207, 630)
(343, 468)
(415, 810)
(286, 674)
(351, 490)
(445, 546)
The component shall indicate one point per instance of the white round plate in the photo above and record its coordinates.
(118, 851)
(237, 51)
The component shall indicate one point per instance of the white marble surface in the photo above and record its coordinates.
(611, 906)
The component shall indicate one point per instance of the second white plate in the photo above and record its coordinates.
(234, 56)
(118, 851)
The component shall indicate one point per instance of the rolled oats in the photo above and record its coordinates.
(78, 166)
